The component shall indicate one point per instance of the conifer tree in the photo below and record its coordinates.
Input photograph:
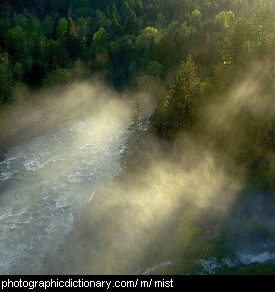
(134, 132)
(6, 78)
(114, 20)
(184, 87)
(55, 26)
(115, 10)
(174, 110)
(108, 13)
(159, 116)
(72, 40)
(115, 26)
(131, 25)
(136, 121)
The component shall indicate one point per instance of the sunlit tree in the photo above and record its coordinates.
(136, 122)
(185, 87)
(134, 132)
(72, 40)
(61, 28)
(189, 244)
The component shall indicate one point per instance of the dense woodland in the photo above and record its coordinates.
(196, 51)
(130, 42)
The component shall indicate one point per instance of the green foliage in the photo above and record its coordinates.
(136, 118)
(72, 40)
(155, 69)
(60, 76)
(262, 30)
(6, 79)
(176, 109)
(224, 19)
(220, 242)
(260, 174)
(145, 47)
(83, 27)
(255, 230)
(204, 240)
(116, 28)
(161, 113)
(189, 241)
(235, 42)
(138, 43)
(161, 22)
(131, 25)
(121, 54)
(134, 132)
(100, 40)
(61, 29)
(48, 27)
(162, 31)
(101, 19)
(13, 39)
(83, 12)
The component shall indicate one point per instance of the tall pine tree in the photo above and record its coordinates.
(133, 136)
(72, 41)
(131, 25)
(174, 110)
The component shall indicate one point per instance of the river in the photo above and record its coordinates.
(46, 182)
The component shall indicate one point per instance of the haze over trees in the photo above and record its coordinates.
(203, 55)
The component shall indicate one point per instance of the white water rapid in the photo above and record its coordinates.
(46, 182)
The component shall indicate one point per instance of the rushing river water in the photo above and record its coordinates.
(45, 183)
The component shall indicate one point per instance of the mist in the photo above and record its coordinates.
(128, 221)
(137, 138)
(61, 150)
(132, 224)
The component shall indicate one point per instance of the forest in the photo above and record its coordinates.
(209, 68)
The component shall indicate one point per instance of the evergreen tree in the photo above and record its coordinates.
(185, 86)
(72, 40)
(133, 136)
(115, 10)
(115, 27)
(175, 106)
(131, 25)
(6, 78)
(235, 42)
(61, 28)
(136, 121)
(160, 113)
(100, 54)
(108, 13)
(55, 26)
(189, 242)
(48, 27)
(100, 40)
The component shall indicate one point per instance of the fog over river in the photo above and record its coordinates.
(45, 184)
(66, 172)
